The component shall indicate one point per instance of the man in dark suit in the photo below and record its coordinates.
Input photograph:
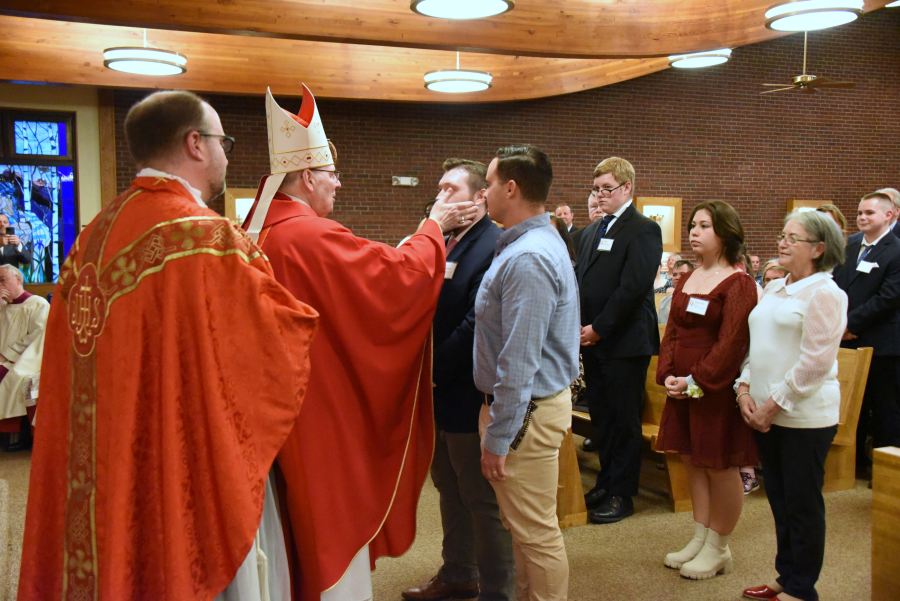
(477, 549)
(871, 278)
(12, 251)
(894, 195)
(564, 212)
(617, 261)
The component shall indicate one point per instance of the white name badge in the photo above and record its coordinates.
(866, 266)
(450, 270)
(605, 244)
(698, 306)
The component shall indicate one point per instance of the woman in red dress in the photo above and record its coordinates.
(706, 340)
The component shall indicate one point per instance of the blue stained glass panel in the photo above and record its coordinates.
(40, 138)
(30, 197)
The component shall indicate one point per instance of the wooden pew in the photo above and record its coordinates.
(885, 524)
(840, 465)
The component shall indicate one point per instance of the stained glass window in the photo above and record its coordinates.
(40, 137)
(38, 193)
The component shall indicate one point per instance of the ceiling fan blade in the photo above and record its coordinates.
(808, 90)
(775, 85)
(819, 81)
(778, 90)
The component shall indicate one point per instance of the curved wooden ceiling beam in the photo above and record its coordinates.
(37, 50)
(548, 28)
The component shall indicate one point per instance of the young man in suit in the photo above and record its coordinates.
(871, 278)
(617, 261)
(477, 549)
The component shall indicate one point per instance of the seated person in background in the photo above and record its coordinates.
(836, 215)
(772, 271)
(680, 269)
(23, 317)
(662, 284)
(12, 250)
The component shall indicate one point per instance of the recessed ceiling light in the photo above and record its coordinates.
(698, 60)
(461, 9)
(810, 15)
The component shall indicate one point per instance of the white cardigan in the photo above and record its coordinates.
(795, 334)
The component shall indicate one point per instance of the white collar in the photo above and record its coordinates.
(795, 287)
(877, 240)
(150, 172)
(297, 199)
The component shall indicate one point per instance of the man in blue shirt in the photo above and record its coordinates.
(526, 355)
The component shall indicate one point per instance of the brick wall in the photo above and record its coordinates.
(700, 135)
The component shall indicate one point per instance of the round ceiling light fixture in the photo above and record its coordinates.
(810, 15)
(698, 60)
(461, 9)
(144, 60)
(457, 81)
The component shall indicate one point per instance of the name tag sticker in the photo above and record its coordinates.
(605, 244)
(698, 306)
(866, 266)
(450, 270)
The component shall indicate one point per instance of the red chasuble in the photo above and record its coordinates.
(358, 457)
(174, 369)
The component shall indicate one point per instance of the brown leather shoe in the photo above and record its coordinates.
(436, 590)
(760, 592)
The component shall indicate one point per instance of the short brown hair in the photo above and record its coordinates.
(622, 171)
(882, 197)
(727, 226)
(529, 167)
(159, 123)
(477, 172)
(835, 212)
(678, 264)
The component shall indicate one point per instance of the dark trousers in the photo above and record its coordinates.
(882, 399)
(476, 546)
(615, 392)
(794, 464)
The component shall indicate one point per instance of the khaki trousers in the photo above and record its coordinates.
(527, 500)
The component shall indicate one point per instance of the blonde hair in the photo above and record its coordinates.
(621, 170)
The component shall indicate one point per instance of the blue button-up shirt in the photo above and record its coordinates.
(526, 326)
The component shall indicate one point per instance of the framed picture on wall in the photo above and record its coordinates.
(238, 202)
(667, 213)
(804, 205)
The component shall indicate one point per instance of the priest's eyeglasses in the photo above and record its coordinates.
(226, 141)
(791, 241)
(605, 192)
(335, 175)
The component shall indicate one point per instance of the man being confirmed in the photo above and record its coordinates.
(356, 461)
(23, 317)
(477, 549)
(617, 261)
(175, 366)
(526, 355)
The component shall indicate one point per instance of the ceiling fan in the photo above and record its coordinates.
(808, 83)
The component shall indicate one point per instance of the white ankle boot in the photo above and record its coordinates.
(714, 558)
(677, 559)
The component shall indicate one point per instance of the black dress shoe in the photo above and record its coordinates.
(21, 445)
(613, 510)
(589, 446)
(595, 498)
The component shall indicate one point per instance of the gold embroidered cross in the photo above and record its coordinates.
(124, 271)
(187, 234)
(287, 128)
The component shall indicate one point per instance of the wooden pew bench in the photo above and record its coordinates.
(840, 465)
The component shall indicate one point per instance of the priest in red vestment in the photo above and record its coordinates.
(357, 459)
(174, 369)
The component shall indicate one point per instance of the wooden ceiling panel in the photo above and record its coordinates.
(549, 28)
(39, 50)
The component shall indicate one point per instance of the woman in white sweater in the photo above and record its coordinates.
(788, 392)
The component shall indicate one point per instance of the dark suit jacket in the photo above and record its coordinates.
(456, 400)
(873, 313)
(11, 255)
(617, 286)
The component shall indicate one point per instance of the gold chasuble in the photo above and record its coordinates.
(355, 463)
(174, 369)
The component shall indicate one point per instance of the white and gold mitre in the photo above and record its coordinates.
(296, 141)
